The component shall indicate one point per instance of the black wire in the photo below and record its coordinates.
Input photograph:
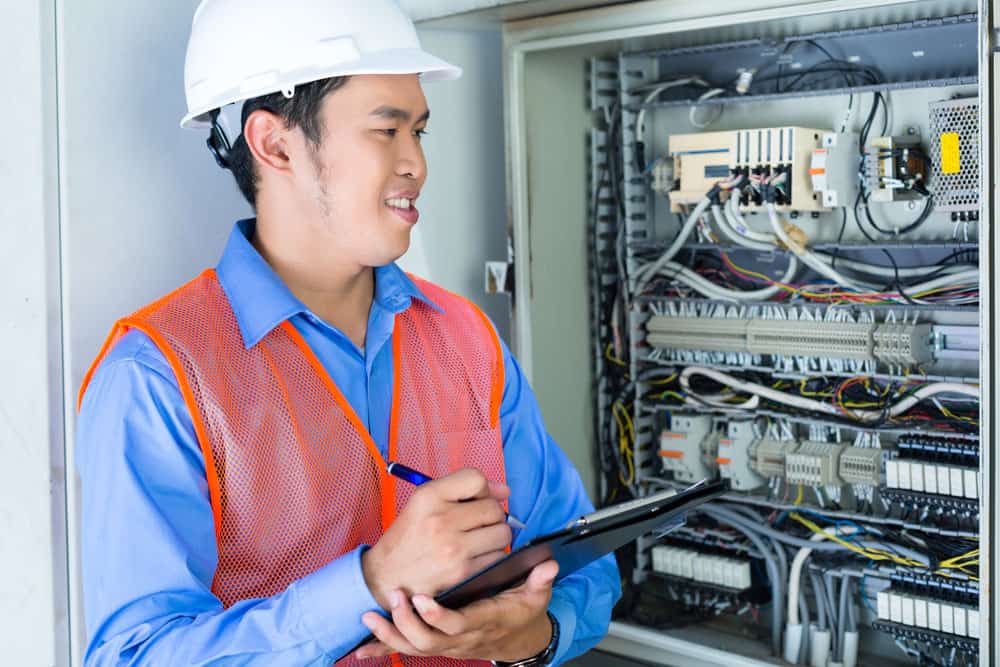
(840, 238)
(896, 283)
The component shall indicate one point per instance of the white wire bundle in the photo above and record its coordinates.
(732, 225)
(760, 391)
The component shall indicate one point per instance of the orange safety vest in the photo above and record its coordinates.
(295, 479)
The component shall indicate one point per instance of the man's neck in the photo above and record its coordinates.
(337, 291)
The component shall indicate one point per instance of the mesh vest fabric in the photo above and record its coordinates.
(294, 478)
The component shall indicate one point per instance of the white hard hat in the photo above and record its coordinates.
(241, 49)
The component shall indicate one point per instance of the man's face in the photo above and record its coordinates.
(370, 167)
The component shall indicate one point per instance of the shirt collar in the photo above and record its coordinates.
(261, 300)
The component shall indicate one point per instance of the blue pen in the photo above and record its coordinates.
(416, 478)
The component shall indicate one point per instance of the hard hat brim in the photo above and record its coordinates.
(396, 61)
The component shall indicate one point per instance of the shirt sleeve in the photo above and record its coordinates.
(546, 493)
(148, 540)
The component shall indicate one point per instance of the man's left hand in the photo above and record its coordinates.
(510, 626)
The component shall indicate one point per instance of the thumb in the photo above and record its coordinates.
(542, 576)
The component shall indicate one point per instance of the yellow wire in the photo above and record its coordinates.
(612, 358)
(625, 429)
(798, 497)
(672, 394)
(857, 297)
(872, 554)
(668, 380)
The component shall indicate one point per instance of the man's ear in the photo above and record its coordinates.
(266, 137)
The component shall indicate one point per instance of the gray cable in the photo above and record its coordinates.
(731, 518)
(852, 611)
(804, 618)
(845, 586)
(820, 602)
(831, 592)
(772, 568)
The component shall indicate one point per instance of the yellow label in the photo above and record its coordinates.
(951, 158)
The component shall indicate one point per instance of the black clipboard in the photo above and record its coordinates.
(584, 541)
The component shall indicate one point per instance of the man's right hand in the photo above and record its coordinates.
(451, 528)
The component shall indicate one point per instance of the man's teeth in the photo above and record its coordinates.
(398, 203)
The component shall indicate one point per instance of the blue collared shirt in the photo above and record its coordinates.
(149, 549)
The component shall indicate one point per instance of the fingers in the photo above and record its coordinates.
(374, 650)
(422, 637)
(387, 634)
(499, 491)
(477, 513)
(466, 484)
(541, 578)
(488, 538)
(448, 621)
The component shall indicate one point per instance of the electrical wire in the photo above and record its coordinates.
(759, 391)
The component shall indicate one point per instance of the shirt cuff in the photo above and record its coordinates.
(332, 600)
(564, 611)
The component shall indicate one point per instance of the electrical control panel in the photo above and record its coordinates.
(784, 212)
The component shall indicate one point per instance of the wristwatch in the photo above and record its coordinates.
(543, 658)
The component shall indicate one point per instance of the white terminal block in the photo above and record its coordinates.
(973, 623)
(916, 476)
(882, 604)
(961, 616)
(909, 615)
(934, 615)
(957, 482)
(904, 476)
(920, 612)
(971, 480)
(895, 607)
(814, 464)
(705, 568)
(927, 614)
(930, 478)
(944, 480)
(892, 473)
(947, 618)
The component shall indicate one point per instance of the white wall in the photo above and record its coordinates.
(106, 204)
(32, 530)
(463, 209)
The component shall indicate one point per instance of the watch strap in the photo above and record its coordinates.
(547, 653)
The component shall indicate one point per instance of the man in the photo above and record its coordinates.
(233, 435)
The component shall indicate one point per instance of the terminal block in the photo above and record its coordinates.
(927, 477)
(902, 344)
(940, 466)
(898, 344)
(936, 614)
(722, 571)
(767, 456)
(861, 465)
(734, 457)
(814, 464)
(806, 338)
(689, 447)
(690, 333)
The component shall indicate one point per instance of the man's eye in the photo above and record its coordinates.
(390, 132)
(421, 133)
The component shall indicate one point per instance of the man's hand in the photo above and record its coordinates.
(509, 627)
(451, 528)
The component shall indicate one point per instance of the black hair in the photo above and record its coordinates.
(301, 110)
